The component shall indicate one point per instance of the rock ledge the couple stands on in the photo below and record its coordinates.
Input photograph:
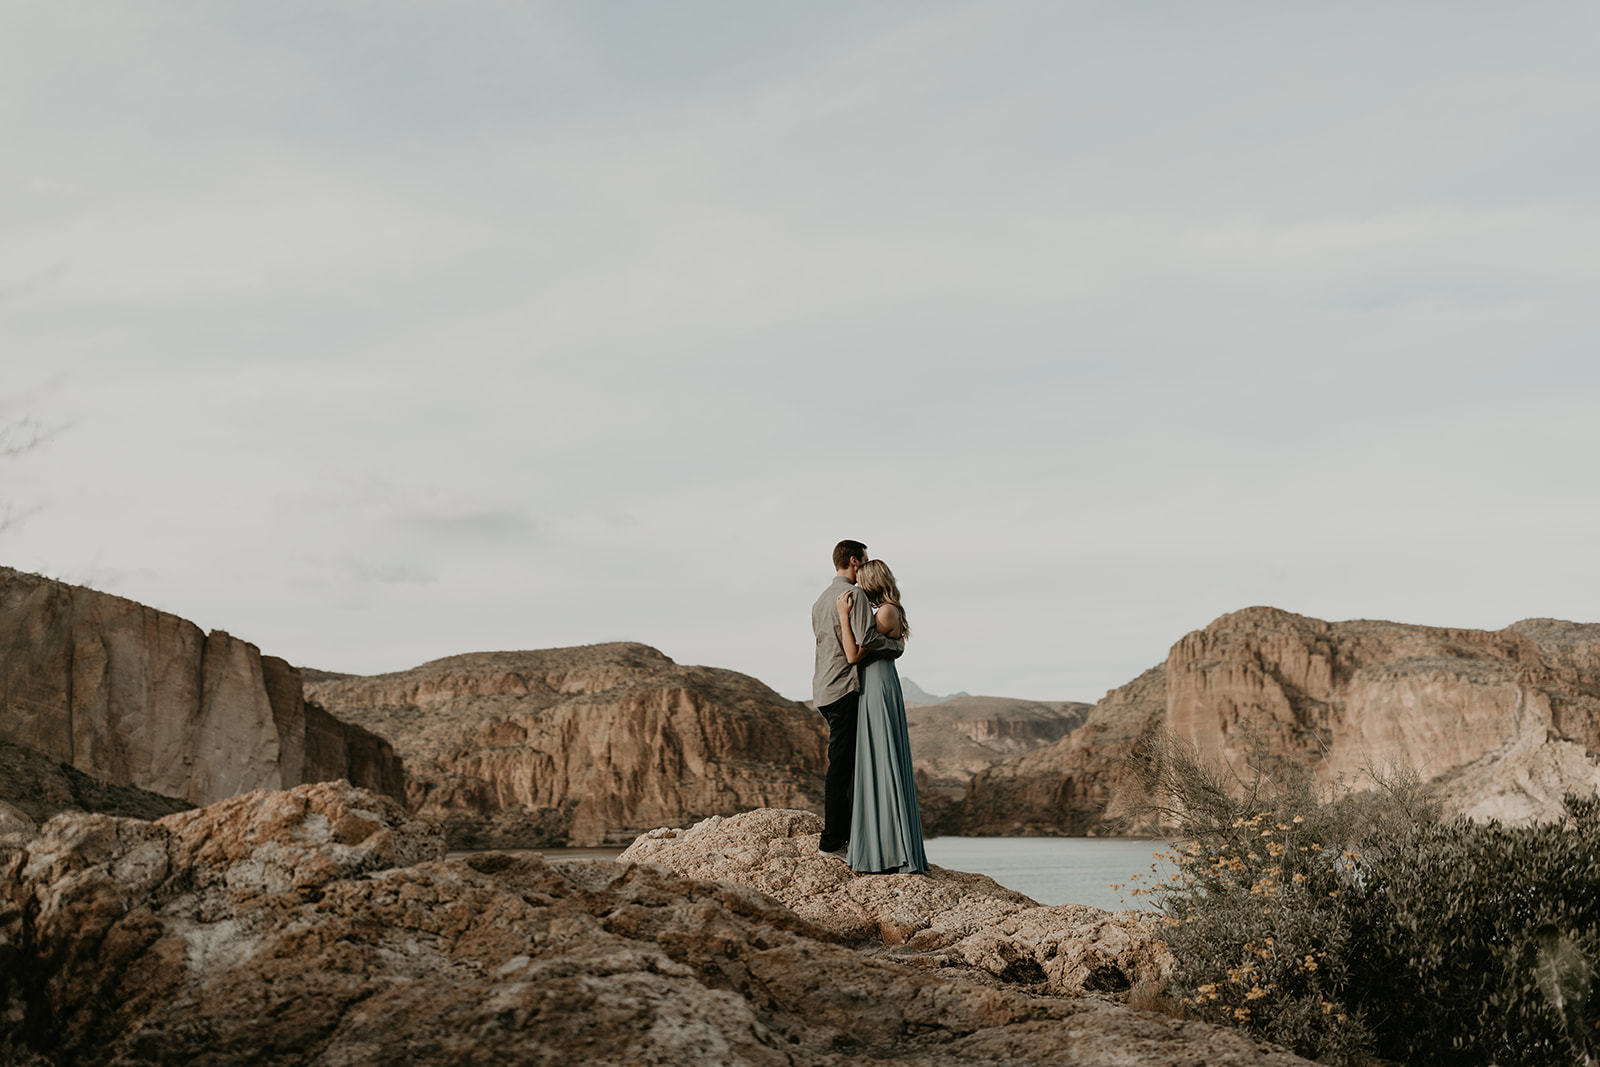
(941, 919)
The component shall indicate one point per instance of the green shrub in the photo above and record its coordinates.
(1366, 923)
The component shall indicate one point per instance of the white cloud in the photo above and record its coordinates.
(389, 336)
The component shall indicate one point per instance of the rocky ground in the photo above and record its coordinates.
(320, 926)
(944, 919)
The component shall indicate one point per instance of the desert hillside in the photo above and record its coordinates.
(583, 745)
(1503, 722)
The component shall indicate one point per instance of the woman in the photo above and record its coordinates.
(885, 826)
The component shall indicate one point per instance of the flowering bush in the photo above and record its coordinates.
(1363, 924)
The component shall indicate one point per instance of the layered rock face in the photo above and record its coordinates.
(138, 697)
(1068, 787)
(315, 926)
(583, 746)
(957, 737)
(1503, 722)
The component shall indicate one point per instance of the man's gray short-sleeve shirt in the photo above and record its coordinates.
(836, 677)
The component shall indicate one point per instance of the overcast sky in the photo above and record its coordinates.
(379, 332)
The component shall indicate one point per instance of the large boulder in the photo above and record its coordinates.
(942, 918)
(312, 927)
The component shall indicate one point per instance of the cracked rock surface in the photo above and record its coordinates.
(319, 925)
(938, 920)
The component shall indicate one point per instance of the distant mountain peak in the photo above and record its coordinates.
(915, 694)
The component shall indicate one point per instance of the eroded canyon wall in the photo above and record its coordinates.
(1503, 722)
(138, 697)
(958, 737)
(1067, 787)
(585, 745)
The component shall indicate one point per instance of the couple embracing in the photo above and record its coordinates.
(870, 803)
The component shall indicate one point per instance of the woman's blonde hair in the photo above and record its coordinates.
(877, 581)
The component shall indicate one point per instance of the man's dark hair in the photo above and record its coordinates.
(845, 551)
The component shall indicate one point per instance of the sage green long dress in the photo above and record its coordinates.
(885, 825)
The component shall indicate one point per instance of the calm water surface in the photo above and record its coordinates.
(1057, 870)
(1051, 870)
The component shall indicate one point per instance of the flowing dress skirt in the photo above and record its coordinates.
(885, 825)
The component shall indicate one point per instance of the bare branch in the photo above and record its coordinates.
(23, 435)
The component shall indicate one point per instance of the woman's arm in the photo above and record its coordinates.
(887, 621)
(847, 636)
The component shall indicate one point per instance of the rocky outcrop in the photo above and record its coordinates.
(133, 696)
(583, 746)
(312, 927)
(942, 919)
(1502, 722)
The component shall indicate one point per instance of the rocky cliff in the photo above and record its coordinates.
(320, 926)
(133, 696)
(583, 746)
(1066, 787)
(957, 737)
(1503, 722)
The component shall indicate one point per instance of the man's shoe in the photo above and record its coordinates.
(836, 854)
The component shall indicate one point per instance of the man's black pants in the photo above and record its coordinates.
(840, 789)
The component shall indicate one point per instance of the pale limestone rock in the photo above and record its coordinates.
(269, 930)
(951, 917)
(1524, 782)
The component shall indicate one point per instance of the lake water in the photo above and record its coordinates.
(1057, 870)
(1051, 870)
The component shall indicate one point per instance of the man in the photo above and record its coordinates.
(836, 687)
